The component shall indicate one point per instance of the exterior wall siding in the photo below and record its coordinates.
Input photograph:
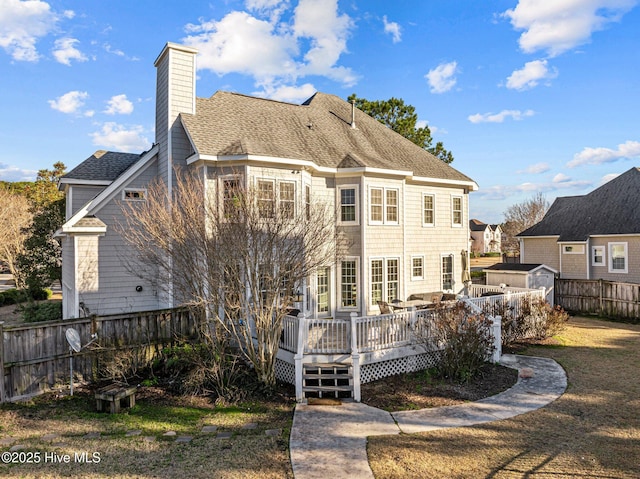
(633, 259)
(81, 195)
(117, 284)
(574, 264)
(541, 251)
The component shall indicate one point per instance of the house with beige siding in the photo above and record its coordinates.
(594, 236)
(405, 212)
(485, 238)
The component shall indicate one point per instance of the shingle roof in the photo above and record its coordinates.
(611, 209)
(512, 267)
(477, 225)
(318, 131)
(103, 166)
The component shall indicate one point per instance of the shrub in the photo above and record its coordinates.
(12, 296)
(34, 312)
(41, 294)
(466, 339)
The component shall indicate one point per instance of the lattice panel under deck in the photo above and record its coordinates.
(285, 372)
(384, 369)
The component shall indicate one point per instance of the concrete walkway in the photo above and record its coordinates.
(331, 441)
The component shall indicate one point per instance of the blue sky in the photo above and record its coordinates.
(529, 95)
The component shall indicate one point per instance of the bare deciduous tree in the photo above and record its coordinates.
(237, 254)
(15, 218)
(521, 216)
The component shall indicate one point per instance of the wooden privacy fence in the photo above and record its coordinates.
(604, 298)
(34, 357)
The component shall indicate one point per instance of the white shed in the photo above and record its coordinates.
(523, 275)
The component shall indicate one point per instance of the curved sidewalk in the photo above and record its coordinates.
(331, 441)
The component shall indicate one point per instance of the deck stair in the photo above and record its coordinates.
(332, 380)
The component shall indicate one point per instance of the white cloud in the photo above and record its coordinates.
(530, 75)
(560, 25)
(119, 105)
(500, 117)
(121, 138)
(70, 102)
(292, 94)
(442, 78)
(276, 54)
(607, 178)
(22, 24)
(536, 169)
(559, 182)
(65, 51)
(13, 173)
(392, 28)
(597, 156)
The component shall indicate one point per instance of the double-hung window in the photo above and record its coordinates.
(618, 258)
(266, 198)
(287, 199)
(417, 268)
(383, 205)
(230, 197)
(456, 210)
(428, 210)
(447, 272)
(349, 284)
(597, 257)
(348, 197)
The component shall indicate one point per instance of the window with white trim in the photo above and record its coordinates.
(322, 290)
(447, 272)
(348, 197)
(618, 257)
(597, 256)
(134, 194)
(383, 205)
(349, 284)
(417, 268)
(456, 210)
(230, 197)
(384, 280)
(391, 206)
(287, 191)
(266, 198)
(376, 205)
(428, 210)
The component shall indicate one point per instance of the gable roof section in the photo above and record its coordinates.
(519, 267)
(477, 225)
(611, 209)
(318, 131)
(102, 166)
(79, 221)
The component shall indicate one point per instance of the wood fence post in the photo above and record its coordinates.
(600, 297)
(2, 393)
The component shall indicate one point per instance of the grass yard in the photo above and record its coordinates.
(257, 448)
(592, 431)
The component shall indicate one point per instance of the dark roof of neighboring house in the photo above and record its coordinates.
(477, 225)
(103, 166)
(611, 209)
(317, 131)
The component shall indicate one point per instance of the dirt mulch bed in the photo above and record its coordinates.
(421, 389)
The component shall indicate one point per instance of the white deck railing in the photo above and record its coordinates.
(370, 334)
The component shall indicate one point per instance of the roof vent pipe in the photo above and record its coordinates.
(353, 114)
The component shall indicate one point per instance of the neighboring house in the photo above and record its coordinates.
(404, 210)
(595, 236)
(485, 238)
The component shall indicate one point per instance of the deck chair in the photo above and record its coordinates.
(384, 307)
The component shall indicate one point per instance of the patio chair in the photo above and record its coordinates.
(384, 307)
